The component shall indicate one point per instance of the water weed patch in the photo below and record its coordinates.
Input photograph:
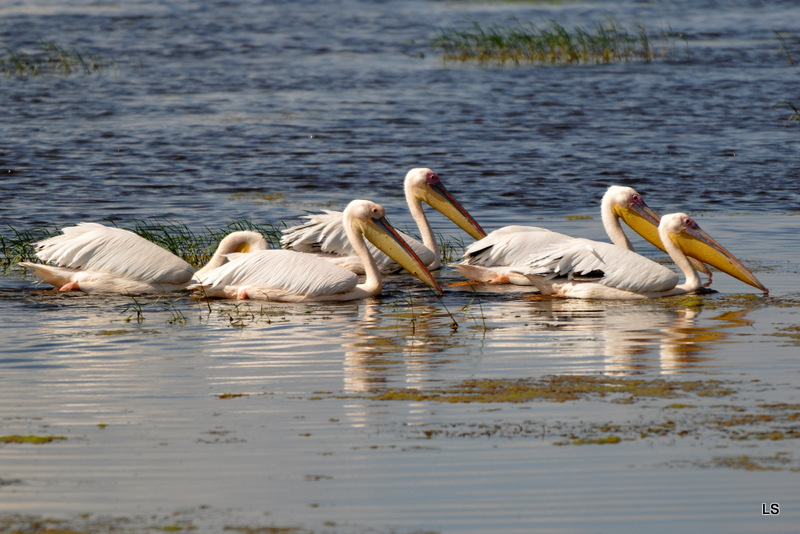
(552, 43)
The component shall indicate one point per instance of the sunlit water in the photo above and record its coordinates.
(248, 414)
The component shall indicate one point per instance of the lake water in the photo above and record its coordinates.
(182, 415)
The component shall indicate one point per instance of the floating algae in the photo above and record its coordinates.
(35, 440)
(558, 389)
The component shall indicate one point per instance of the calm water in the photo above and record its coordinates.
(254, 415)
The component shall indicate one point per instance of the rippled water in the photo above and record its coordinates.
(251, 415)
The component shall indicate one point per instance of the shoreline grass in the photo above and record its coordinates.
(552, 43)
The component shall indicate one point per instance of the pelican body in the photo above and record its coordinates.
(499, 256)
(287, 275)
(95, 258)
(582, 268)
(325, 235)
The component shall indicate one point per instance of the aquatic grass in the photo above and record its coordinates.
(560, 388)
(450, 249)
(784, 48)
(17, 244)
(176, 315)
(468, 307)
(553, 43)
(135, 311)
(49, 58)
(197, 248)
(175, 237)
(794, 116)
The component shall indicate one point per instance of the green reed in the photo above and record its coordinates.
(197, 248)
(785, 48)
(16, 245)
(607, 42)
(794, 116)
(48, 58)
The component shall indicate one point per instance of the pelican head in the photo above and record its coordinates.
(687, 236)
(622, 202)
(369, 219)
(424, 185)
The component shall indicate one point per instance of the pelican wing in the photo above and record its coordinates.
(279, 274)
(124, 254)
(511, 245)
(604, 263)
(324, 234)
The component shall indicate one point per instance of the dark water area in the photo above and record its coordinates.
(246, 415)
(206, 110)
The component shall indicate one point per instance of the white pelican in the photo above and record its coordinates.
(324, 234)
(582, 268)
(287, 275)
(95, 258)
(497, 257)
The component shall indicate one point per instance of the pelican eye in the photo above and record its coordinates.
(688, 222)
(432, 178)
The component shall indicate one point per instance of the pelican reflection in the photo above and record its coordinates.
(395, 346)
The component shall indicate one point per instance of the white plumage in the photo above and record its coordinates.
(325, 236)
(281, 275)
(287, 275)
(95, 258)
(582, 268)
(498, 257)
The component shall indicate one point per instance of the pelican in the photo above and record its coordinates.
(95, 258)
(582, 268)
(287, 275)
(497, 257)
(325, 235)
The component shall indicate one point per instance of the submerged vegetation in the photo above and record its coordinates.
(710, 415)
(558, 389)
(31, 439)
(48, 58)
(608, 42)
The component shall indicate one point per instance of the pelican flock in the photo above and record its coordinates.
(324, 233)
(322, 258)
(287, 275)
(95, 258)
(499, 256)
(583, 268)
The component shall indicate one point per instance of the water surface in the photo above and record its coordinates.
(248, 415)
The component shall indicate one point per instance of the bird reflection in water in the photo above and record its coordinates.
(677, 335)
(396, 346)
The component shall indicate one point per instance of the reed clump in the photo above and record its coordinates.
(552, 43)
(48, 58)
(197, 248)
(17, 245)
